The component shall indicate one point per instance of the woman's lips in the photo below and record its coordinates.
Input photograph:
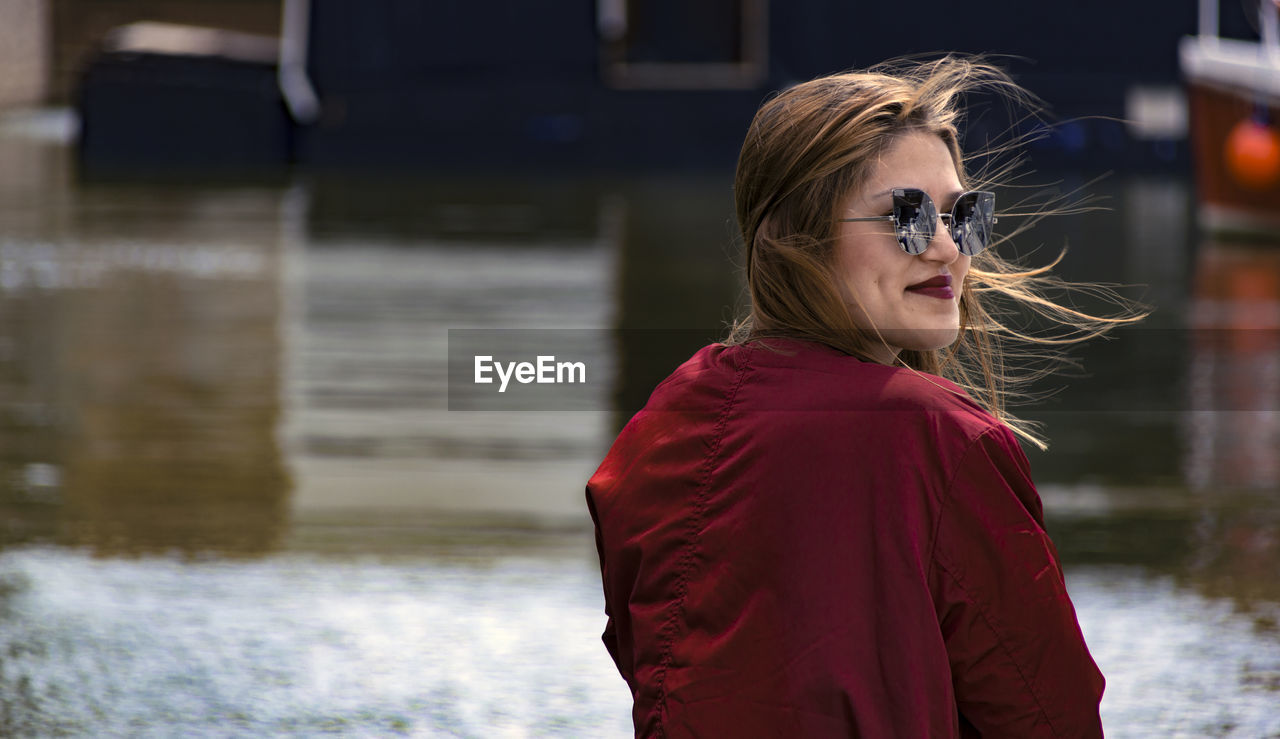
(936, 287)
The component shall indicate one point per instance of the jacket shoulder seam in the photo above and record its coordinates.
(935, 557)
(991, 624)
(945, 495)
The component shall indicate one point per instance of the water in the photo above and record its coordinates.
(301, 644)
(234, 501)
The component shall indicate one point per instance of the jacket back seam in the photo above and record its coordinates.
(671, 626)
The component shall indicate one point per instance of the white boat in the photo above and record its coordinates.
(1233, 91)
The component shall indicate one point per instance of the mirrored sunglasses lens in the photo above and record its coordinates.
(915, 218)
(971, 222)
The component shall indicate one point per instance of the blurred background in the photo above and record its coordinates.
(237, 496)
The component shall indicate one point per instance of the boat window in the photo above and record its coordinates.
(675, 44)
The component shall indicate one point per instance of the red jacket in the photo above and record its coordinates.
(797, 543)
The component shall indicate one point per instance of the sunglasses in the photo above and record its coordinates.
(915, 219)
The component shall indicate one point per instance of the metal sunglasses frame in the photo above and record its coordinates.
(917, 232)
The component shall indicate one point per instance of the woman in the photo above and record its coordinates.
(808, 531)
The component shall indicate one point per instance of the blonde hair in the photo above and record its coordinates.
(813, 144)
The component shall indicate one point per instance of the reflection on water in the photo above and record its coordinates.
(368, 422)
(1235, 367)
(140, 360)
(233, 498)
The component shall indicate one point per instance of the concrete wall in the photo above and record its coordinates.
(24, 52)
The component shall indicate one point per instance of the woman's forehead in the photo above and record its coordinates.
(917, 160)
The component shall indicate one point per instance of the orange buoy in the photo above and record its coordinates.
(1253, 154)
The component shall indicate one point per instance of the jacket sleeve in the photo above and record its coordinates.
(610, 635)
(1019, 663)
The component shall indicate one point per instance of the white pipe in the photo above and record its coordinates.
(291, 74)
(611, 19)
(1208, 18)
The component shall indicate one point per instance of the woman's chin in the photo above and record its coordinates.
(925, 339)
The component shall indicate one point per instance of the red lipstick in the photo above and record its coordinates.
(934, 287)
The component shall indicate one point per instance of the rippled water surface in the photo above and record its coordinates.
(234, 500)
(304, 644)
(500, 645)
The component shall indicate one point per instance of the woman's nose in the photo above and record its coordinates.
(942, 248)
